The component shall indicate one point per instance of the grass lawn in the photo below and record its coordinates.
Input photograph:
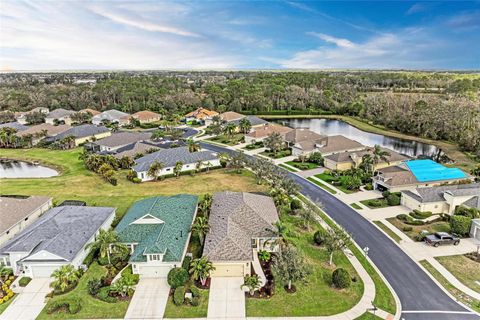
(375, 203)
(387, 230)
(356, 206)
(91, 307)
(368, 316)
(459, 295)
(188, 311)
(330, 179)
(280, 154)
(317, 297)
(4, 306)
(431, 228)
(253, 146)
(231, 141)
(322, 185)
(303, 165)
(383, 296)
(78, 183)
(464, 269)
(287, 168)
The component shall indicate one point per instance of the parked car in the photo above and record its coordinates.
(441, 238)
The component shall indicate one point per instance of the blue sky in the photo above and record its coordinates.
(50, 35)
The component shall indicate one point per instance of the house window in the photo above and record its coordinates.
(143, 175)
(254, 243)
(155, 257)
(168, 169)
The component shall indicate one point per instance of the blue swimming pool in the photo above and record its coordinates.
(428, 170)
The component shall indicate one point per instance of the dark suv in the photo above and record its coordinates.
(441, 238)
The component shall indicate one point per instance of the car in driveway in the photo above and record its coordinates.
(442, 238)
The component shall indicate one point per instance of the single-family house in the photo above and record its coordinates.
(21, 117)
(120, 139)
(262, 132)
(415, 174)
(93, 112)
(141, 147)
(157, 232)
(475, 229)
(83, 133)
(351, 159)
(442, 199)
(112, 116)
(168, 158)
(43, 131)
(201, 115)
(17, 212)
(231, 116)
(241, 224)
(59, 116)
(147, 116)
(59, 237)
(14, 125)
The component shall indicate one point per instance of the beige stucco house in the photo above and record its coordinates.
(350, 159)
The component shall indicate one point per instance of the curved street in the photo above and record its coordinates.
(419, 295)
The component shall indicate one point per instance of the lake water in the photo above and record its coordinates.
(336, 127)
(21, 169)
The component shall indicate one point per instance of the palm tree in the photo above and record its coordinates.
(252, 283)
(206, 204)
(5, 272)
(193, 146)
(245, 125)
(198, 165)
(200, 269)
(178, 168)
(229, 129)
(367, 162)
(64, 276)
(107, 242)
(155, 168)
(201, 228)
(380, 155)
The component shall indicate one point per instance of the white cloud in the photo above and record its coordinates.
(345, 43)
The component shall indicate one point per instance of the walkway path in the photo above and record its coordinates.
(30, 302)
(149, 300)
(226, 300)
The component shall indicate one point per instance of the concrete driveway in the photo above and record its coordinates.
(29, 303)
(226, 299)
(149, 300)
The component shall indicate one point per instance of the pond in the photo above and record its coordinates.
(336, 127)
(21, 169)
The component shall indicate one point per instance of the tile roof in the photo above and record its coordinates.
(349, 155)
(435, 194)
(14, 210)
(123, 138)
(14, 125)
(146, 115)
(169, 157)
(82, 131)
(51, 129)
(267, 130)
(168, 236)
(236, 218)
(298, 135)
(230, 116)
(201, 113)
(62, 231)
(59, 113)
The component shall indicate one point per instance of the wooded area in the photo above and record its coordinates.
(436, 105)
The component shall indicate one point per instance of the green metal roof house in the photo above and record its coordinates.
(157, 231)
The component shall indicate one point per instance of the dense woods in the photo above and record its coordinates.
(443, 106)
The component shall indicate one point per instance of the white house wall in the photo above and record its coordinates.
(142, 175)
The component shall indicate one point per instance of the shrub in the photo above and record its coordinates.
(415, 222)
(177, 277)
(72, 306)
(90, 257)
(195, 291)
(316, 157)
(24, 281)
(407, 229)
(472, 213)
(104, 295)
(296, 204)
(417, 214)
(195, 301)
(420, 237)
(368, 186)
(136, 180)
(186, 262)
(319, 237)
(403, 217)
(460, 225)
(375, 203)
(103, 261)
(179, 295)
(393, 200)
(341, 278)
(385, 194)
(94, 286)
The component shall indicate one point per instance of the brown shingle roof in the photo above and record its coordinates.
(14, 210)
(397, 176)
(267, 130)
(51, 129)
(146, 115)
(298, 135)
(230, 116)
(342, 157)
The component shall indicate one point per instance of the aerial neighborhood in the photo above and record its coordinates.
(208, 212)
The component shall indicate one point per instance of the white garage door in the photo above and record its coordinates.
(476, 232)
(154, 271)
(228, 270)
(43, 271)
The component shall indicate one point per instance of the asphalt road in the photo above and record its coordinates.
(420, 297)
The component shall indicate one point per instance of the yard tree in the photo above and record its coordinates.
(201, 228)
(178, 168)
(336, 239)
(230, 129)
(193, 146)
(155, 168)
(476, 172)
(274, 142)
(367, 163)
(205, 204)
(245, 125)
(289, 266)
(316, 157)
(380, 155)
(35, 117)
(200, 269)
(237, 161)
(63, 277)
(252, 282)
(215, 128)
(308, 214)
(107, 242)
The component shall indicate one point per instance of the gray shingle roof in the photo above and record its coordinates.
(14, 125)
(62, 231)
(111, 115)
(236, 218)
(254, 121)
(123, 138)
(59, 113)
(81, 131)
(14, 210)
(435, 194)
(169, 157)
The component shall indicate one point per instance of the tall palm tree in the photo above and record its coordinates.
(198, 165)
(245, 125)
(367, 162)
(64, 276)
(200, 228)
(193, 146)
(379, 154)
(155, 169)
(107, 242)
(200, 269)
(229, 129)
